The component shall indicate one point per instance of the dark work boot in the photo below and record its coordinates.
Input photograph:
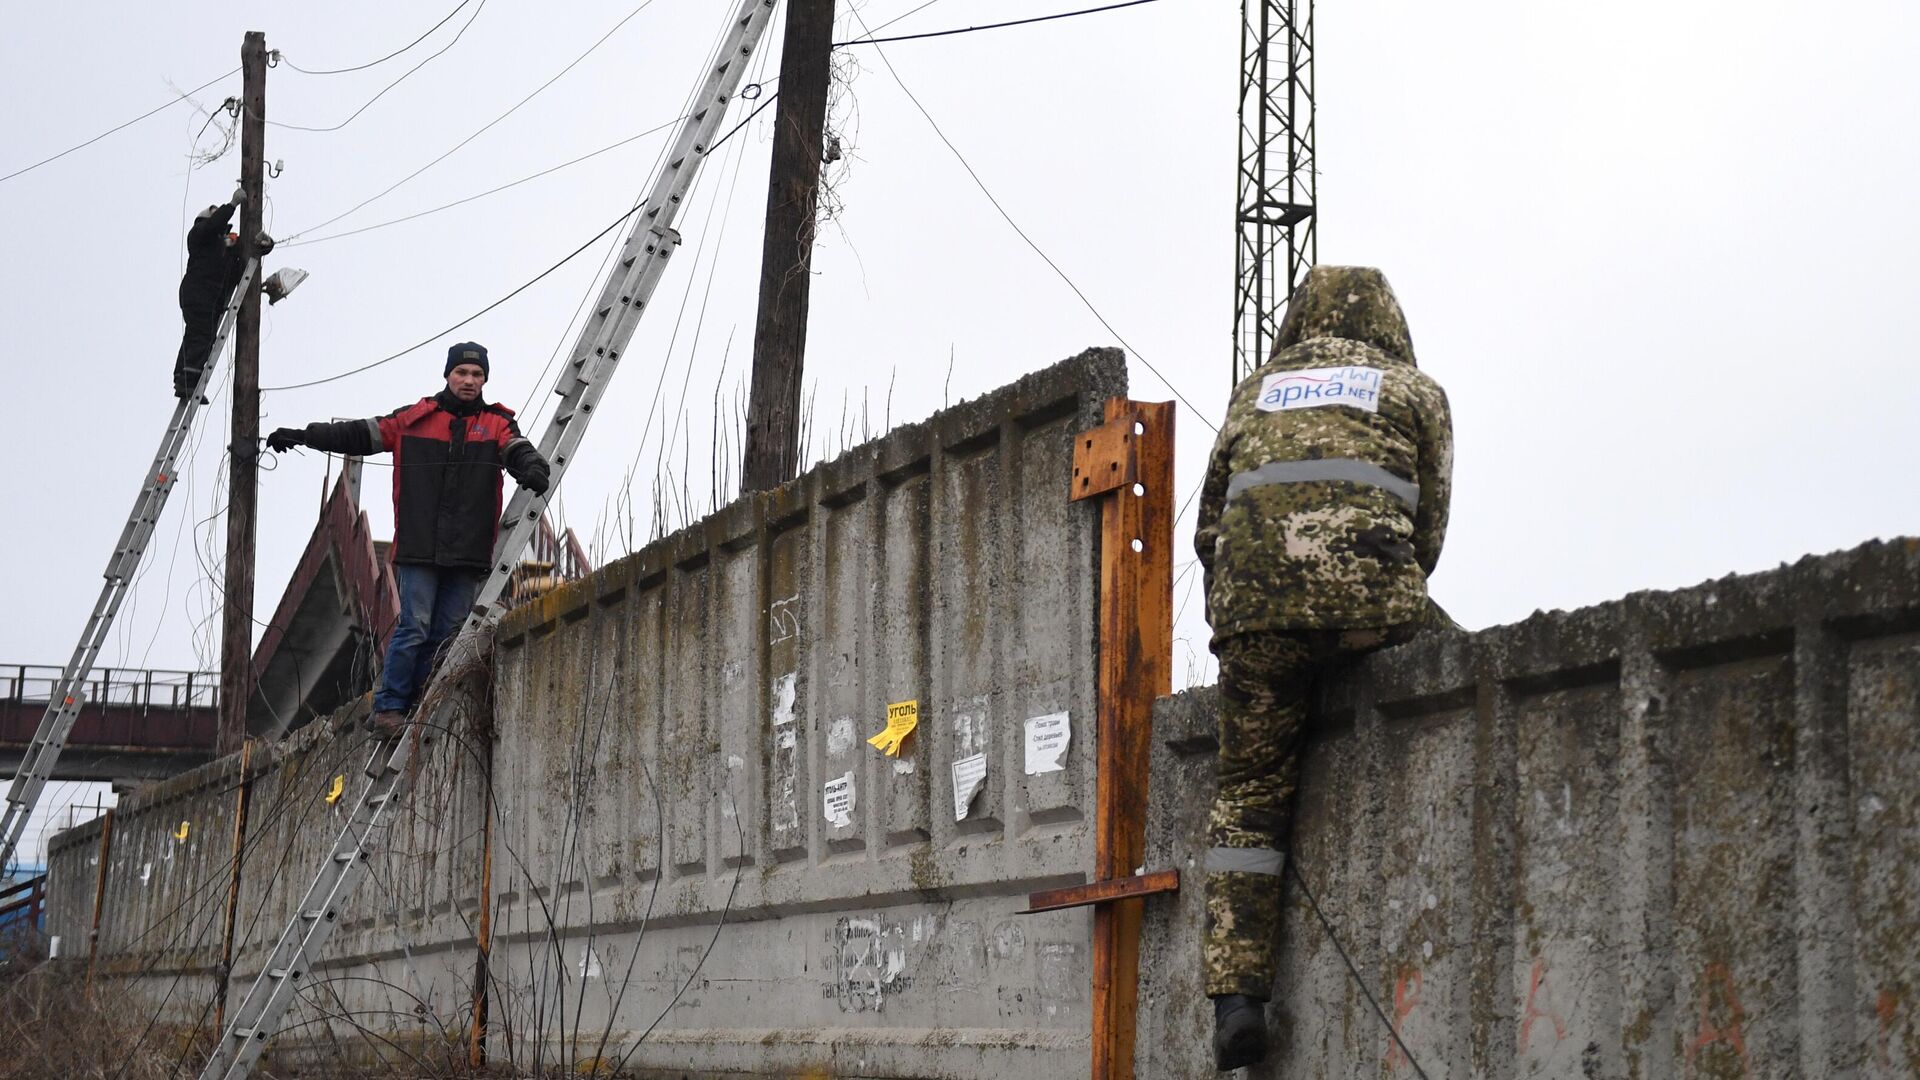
(1239, 1031)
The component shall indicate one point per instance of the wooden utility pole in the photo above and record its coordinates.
(243, 495)
(786, 260)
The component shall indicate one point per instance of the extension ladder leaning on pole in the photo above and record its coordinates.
(597, 353)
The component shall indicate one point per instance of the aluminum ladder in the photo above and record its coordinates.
(67, 696)
(595, 356)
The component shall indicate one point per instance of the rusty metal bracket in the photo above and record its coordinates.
(1105, 459)
(1102, 892)
(1128, 463)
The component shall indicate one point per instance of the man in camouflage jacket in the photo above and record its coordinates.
(1323, 512)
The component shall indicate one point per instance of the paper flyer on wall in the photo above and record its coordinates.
(1047, 740)
(969, 775)
(839, 800)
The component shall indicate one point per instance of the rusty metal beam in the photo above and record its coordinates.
(1101, 892)
(99, 894)
(233, 885)
(483, 933)
(1128, 463)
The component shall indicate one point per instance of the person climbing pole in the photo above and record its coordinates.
(1322, 514)
(214, 267)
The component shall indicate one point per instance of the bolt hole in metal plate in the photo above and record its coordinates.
(1104, 460)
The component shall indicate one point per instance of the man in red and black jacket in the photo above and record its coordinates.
(448, 451)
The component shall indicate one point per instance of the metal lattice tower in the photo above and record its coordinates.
(1274, 214)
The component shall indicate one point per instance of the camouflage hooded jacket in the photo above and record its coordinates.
(1325, 500)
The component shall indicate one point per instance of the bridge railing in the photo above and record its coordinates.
(135, 688)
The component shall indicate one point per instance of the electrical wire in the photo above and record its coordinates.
(656, 398)
(602, 274)
(483, 129)
(1055, 267)
(490, 191)
(403, 78)
(871, 40)
(117, 127)
(908, 15)
(1293, 867)
(424, 342)
(375, 63)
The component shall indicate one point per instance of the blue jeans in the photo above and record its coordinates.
(433, 602)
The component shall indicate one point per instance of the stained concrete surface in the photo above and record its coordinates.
(656, 761)
(1677, 835)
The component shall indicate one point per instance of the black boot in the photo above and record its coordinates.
(1239, 1031)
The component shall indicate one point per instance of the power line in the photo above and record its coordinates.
(403, 78)
(981, 184)
(898, 18)
(490, 191)
(484, 129)
(375, 63)
(871, 40)
(117, 127)
(523, 287)
(601, 274)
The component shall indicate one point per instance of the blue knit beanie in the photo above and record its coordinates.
(467, 352)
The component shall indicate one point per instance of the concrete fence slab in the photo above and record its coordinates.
(1671, 836)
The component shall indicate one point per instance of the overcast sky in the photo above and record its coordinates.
(1658, 253)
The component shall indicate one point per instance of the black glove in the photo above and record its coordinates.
(286, 438)
(535, 478)
(263, 245)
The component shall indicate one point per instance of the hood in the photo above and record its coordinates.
(1351, 302)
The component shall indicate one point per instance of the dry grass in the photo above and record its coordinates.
(51, 1027)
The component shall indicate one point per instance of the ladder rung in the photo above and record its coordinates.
(599, 350)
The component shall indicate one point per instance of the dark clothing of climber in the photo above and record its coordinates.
(213, 269)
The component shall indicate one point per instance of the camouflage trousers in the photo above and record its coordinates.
(1266, 690)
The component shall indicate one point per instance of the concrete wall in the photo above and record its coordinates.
(1673, 836)
(403, 964)
(663, 869)
(1676, 835)
(671, 728)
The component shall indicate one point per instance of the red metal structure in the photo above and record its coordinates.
(135, 724)
(320, 651)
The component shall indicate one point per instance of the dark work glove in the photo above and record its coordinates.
(527, 467)
(264, 245)
(285, 439)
